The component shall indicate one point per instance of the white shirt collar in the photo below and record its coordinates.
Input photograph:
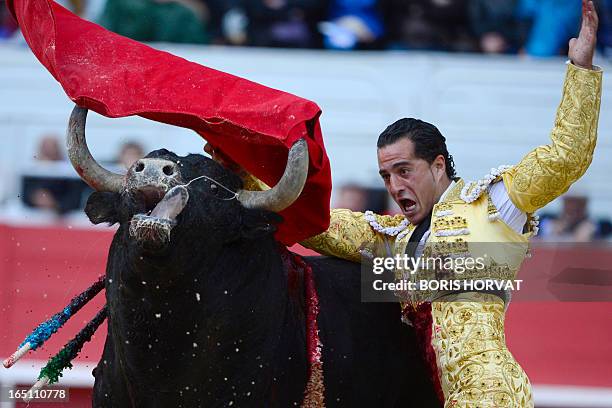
(448, 189)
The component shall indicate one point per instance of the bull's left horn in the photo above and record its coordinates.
(289, 187)
(83, 162)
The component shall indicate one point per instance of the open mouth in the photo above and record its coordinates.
(407, 205)
(162, 209)
(150, 196)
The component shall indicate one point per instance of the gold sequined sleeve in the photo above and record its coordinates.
(548, 171)
(347, 233)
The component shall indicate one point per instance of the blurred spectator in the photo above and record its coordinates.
(49, 184)
(283, 23)
(573, 224)
(429, 24)
(42, 193)
(8, 25)
(378, 201)
(358, 198)
(604, 37)
(353, 24)
(234, 26)
(227, 22)
(550, 25)
(181, 21)
(538, 27)
(49, 149)
(129, 153)
(43, 198)
(494, 25)
(352, 197)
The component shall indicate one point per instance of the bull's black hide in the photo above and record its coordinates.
(212, 319)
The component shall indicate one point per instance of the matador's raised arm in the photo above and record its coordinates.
(548, 171)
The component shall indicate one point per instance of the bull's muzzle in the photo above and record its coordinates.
(154, 229)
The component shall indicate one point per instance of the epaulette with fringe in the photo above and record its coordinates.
(390, 226)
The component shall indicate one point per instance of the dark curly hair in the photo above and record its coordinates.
(427, 139)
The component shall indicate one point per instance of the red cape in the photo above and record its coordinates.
(253, 124)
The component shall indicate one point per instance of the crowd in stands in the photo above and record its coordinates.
(534, 27)
(46, 188)
(573, 223)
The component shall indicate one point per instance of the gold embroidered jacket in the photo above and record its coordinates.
(473, 365)
(541, 176)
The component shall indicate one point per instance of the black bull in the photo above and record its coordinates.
(207, 318)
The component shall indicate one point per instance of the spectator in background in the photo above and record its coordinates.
(42, 193)
(353, 197)
(227, 23)
(604, 36)
(48, 188)
(353, 24)
(494, 25)
(7, 24)
(283, 23)
(49, 149)
(429, 24)
(358, 198)
(550, 24)
(573, 224)
(180, 21)
(129, 153)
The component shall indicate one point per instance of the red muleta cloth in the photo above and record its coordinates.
(254, 125)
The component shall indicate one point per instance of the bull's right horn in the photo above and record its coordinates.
(83, 162)
(288, 188)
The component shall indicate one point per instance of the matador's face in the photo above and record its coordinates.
(414, 184)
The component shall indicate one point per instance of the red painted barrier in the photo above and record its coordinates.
(42, 268)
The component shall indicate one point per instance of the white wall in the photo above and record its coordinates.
(492, 110)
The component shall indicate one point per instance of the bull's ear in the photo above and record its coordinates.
(259, 223)
(102, 207)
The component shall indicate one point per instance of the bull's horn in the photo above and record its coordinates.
(83, 162)
(289, 187)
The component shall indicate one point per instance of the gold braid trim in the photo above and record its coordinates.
(389, 220)
(548, 171)
(476, 368)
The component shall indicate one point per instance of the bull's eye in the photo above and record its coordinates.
(168, 170)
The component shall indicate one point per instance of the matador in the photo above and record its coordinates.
(462, 332)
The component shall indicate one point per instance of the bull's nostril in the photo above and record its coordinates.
(139, 167)
(168, 170)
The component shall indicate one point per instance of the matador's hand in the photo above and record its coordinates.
(582, 49)
(220, 157)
